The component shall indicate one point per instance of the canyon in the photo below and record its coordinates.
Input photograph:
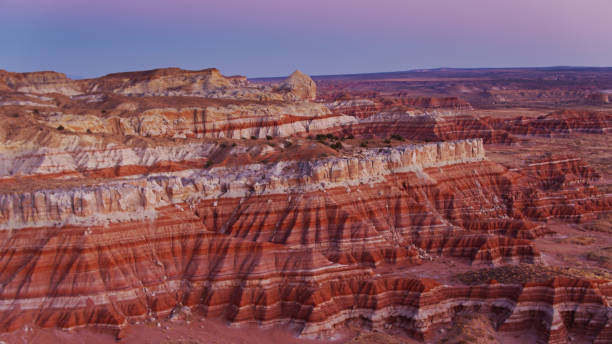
(354, 208)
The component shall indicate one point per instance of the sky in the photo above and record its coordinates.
(258, 38)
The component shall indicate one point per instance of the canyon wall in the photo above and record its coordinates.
(125, 199)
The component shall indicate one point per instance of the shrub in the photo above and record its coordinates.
(336, 146)
(61, 127)
(268, 137)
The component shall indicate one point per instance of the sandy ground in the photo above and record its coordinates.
(197, 331)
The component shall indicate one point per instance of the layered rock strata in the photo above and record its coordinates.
(127, 197)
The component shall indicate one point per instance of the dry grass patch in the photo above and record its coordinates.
(377, 338)
(602, 256)
(523, 273)
(580, 240)
(467, 327)
(600, 225)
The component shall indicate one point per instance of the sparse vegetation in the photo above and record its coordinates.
(387, 101)
(527, 273)
(397, 137)
(602, 225)
(580, 240)
(336, 146)
(602, 256)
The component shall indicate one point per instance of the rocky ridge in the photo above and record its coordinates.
(127, 197)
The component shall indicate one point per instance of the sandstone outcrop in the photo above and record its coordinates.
(149, 193)
(375, 120)
(599, 98)
(562, 122)
(300, 85)
(39, 82)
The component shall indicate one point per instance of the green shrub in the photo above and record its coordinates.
(336, 146)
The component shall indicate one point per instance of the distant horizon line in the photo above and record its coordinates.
(424, 70)
(415, 70)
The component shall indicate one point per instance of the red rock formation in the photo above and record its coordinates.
(295, 257)
(398, 100)
(429, 127)
(440, 126)
(561, 122)
(112, 217)
(598, 98)
(429, 102)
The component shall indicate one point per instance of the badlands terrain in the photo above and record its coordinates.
(437, 206)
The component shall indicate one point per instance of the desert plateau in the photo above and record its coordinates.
(430, 206)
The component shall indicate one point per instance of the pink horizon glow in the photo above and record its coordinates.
(270, 37)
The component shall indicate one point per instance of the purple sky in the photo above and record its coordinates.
(273, 37)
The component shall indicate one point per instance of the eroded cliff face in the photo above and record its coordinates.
(377, 119)
(153, 191)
